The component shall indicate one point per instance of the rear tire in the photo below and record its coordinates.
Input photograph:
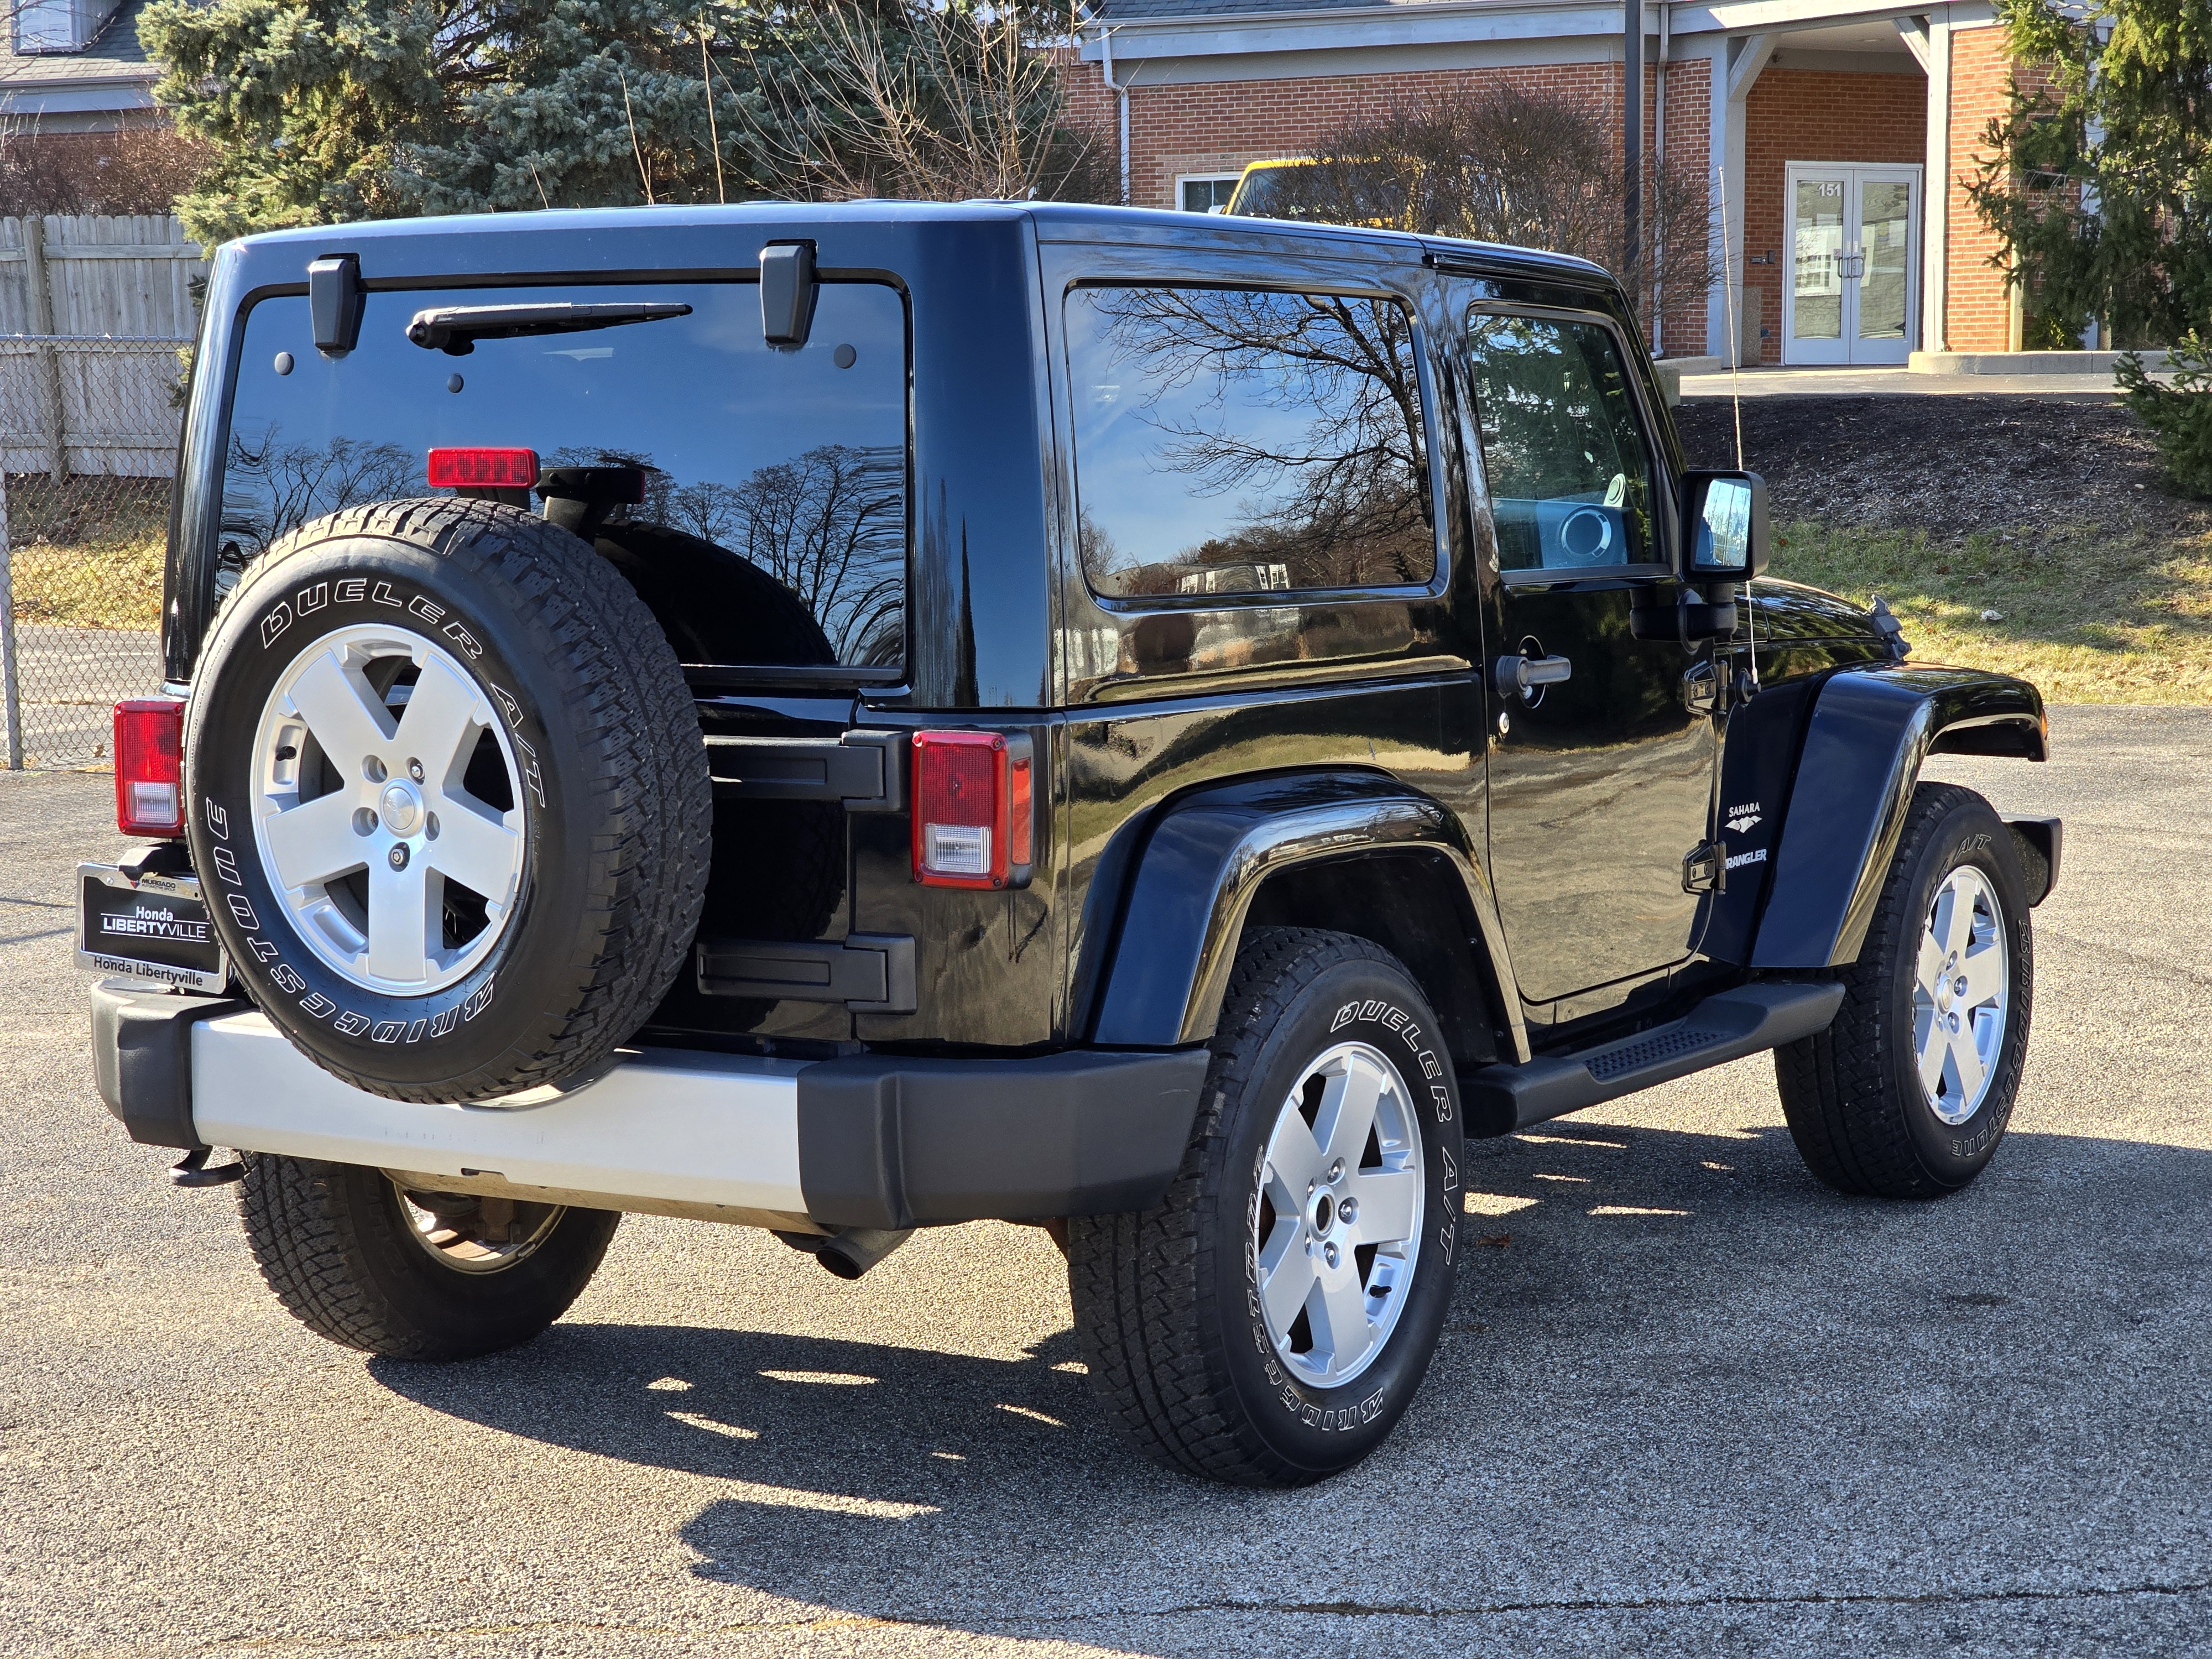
(1949, 941)
(356, 1260)
(1269, 1322)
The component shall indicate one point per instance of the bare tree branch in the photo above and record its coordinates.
(962, 101)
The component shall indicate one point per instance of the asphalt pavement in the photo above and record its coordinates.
(1689, 1402)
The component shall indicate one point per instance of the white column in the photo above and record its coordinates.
(1736, 68)
(1936, 188)
(1723, 140)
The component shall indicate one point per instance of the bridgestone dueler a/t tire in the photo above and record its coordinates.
(616, 802)
(331, 1239)
(1851, 1094)
(1165, 1308)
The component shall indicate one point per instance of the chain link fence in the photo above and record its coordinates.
(88, 444)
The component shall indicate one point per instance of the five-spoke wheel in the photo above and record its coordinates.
(1270, 1319)
(389, 809)
(476, 1235)
(450, 798)
(1959, 994)
(1337, 1219)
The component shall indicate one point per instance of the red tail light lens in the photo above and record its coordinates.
(149, 767)
(972, 809)
(482, 468)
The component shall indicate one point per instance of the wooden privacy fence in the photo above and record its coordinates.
(118, 276)
(93, 311)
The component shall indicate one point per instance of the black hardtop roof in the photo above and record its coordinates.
(1053, 220)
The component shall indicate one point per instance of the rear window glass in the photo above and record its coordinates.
(775, 518)
(1234, 440)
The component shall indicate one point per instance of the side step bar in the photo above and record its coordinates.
(1744, 1021)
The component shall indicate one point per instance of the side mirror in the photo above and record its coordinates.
(1724, 527)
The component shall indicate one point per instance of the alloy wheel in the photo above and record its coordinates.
(388, 809)
(1962, 995)
(473, 1234)
(1336, 1222)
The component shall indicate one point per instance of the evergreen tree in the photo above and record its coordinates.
(2100, 182)
(322, 111)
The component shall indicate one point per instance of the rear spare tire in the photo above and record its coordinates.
(449, 800)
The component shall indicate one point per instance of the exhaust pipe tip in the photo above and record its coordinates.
(852, 1252)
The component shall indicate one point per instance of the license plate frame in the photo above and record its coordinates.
(155, 928)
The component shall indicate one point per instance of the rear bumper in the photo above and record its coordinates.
(872, 1141)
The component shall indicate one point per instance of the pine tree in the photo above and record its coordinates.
(2101, 181)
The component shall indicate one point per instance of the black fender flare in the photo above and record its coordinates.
(1204, 857)
(1868, 731)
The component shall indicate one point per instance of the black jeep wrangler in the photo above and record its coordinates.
(841, 719)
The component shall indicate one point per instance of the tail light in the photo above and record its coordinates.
(149, 767)
(482, 468)
(974, 814)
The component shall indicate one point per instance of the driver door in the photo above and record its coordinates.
(1601, 780)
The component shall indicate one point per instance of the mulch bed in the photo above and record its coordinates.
(1950, 465)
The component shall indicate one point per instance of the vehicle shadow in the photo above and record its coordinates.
(1653, 1328)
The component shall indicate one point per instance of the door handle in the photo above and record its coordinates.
(1516, 676)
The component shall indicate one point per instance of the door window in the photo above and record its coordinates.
(1238, 440)
(1570, 474)
(1885, 239)
(1817, 257)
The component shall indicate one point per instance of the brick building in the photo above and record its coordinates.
(1838, 134)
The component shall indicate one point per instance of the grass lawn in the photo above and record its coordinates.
(88, 553)
(91, 584)
(2089, 615)
(2033, 535)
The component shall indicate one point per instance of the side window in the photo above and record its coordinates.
(1234, 440)
(1571, 477)
(1206, 192)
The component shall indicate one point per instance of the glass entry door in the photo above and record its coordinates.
(1853, 288)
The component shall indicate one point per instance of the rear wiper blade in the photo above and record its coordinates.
(455, 329)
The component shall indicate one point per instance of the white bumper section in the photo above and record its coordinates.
(682, 1133)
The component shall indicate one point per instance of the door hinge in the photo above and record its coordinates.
(859, 769)
(1703, 689)
(869, 973)
(1704, 868)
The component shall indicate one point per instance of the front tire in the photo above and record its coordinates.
(413, 1275)
(1908, 1093)
(1269, 1322)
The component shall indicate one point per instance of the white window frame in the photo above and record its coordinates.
(1216, 177)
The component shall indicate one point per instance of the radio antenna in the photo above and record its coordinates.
(1728, 277)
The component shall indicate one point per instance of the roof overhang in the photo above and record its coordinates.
(1451, 23)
